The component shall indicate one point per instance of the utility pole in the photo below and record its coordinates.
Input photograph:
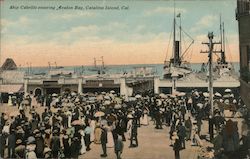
(210, 56)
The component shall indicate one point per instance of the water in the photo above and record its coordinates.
(116, 69)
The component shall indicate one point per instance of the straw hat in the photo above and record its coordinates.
(175, 136)
(36, 131)
(47, 131)
(19, 141)
(20, 131)
(46, 150)
(130, 116)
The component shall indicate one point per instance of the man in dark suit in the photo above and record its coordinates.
(104, 140)
(182, 135)
(134, 134)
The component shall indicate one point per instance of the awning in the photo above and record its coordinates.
(11, 88)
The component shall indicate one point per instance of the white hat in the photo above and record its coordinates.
(129, 116)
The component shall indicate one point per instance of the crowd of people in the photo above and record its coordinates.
(71, 123)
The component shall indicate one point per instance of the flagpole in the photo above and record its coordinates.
(180, 32)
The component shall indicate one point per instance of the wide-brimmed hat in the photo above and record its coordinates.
(31, 140)
(20, 131)
(47, 131)
(36, 131)
(38, 135)
(19, 141)
(130, 116)
(46, 150)
(175, 136)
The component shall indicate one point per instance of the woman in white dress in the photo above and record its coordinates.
(83, 147)
(10, 101)
(129, 125)
(110, 142)
(92, 126)
(144, 118)
(69, 114)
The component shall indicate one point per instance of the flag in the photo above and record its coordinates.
(178, 15)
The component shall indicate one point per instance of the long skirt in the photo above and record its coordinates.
(83, 147)
(144, 119)
(98, 132)
(110, 143)
(92, 134)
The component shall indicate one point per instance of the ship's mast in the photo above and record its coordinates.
(223, 54)
(221, 47)
(174, 46)
(222, 39)
(179, 15)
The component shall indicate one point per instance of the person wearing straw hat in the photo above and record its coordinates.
(20, 149)
(97, 132)
(39, 145)
(134, 134)
(47, 152)
(31, 148)
(55, 144)
(65, 142)
(118, 147)
(11, 143)
(177, 145)
(129, 125)
(104, 140)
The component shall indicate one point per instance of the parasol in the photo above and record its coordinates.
(200, 105)
(218, 94)
(226, 101)
(138, 96)
(131, 99)
(112, 91)
(117, 106)
(162, 95)
(54, 95)
(106, 102)
(118, 100)
(14, 113)
(228, 90)
(232, 95)
(107, 97)
(181, 94)
(99, 97)
(172, 96)
(99, 114)
(77, 122)
(226, 96)
(205, 94)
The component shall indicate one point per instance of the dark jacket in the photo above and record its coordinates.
(39, 145)
(118, 145)
(12, 140)
(55, 143)
(134, 128)
(104, 137)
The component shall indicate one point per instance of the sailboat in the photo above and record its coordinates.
(177, 66)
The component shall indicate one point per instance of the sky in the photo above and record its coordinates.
(138, 33)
